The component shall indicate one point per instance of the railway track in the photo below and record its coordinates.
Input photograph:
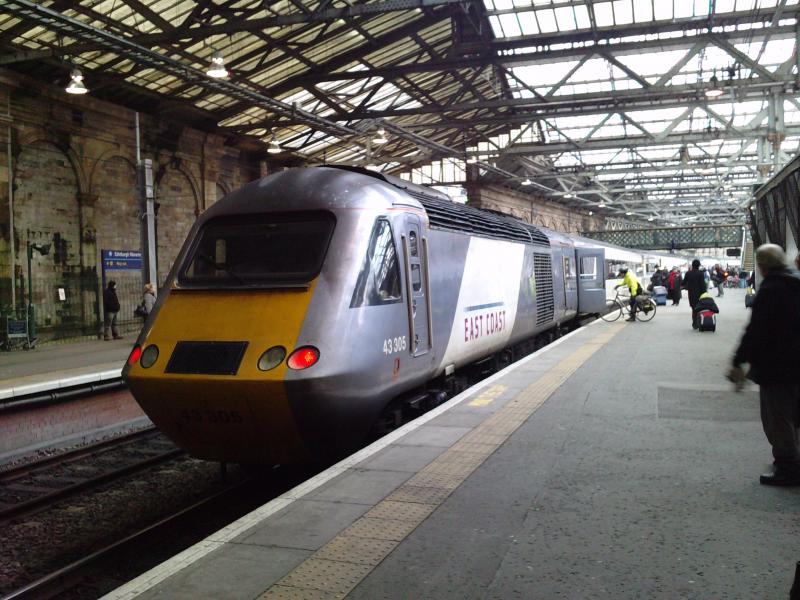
(34, 486)
(105, 569)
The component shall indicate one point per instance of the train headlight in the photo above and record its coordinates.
(272, 358)
(303, 357)
(149, 356)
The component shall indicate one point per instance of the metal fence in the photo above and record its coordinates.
(69, 307)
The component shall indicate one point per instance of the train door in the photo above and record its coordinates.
(570, 281)
(415, 253)
(591, 280)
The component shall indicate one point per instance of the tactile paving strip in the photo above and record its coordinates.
(336, 568)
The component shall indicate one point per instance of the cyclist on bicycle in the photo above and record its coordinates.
(629, 280)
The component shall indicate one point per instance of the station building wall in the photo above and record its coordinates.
(68, 179)
(532, 209)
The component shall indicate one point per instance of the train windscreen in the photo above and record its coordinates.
(272, 249)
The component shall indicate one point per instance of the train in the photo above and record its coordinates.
(307, 305)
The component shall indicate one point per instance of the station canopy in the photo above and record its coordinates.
(662, 111)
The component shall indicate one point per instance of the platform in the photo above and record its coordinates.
(616, 463)
(25, 372)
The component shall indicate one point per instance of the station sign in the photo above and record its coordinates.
(121, 260)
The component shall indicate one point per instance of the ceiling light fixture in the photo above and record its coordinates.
(567, 195)
(601, 205)
(380, 136)
(649, 218)
(274, 147)
(715, 91)
(629, 213)
(217, 68)
(76, 85)
(526, 181)
(591, 213)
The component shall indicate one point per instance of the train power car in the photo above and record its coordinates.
(303, 304)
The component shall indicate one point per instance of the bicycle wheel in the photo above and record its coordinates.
(613, 311)
(647, 310)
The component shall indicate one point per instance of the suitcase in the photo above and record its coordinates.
(748, 300)
(660, 295)
(706, 321)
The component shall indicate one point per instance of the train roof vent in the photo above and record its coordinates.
(449, 215)
(537, 235)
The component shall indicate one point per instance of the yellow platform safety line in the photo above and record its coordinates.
(489, 396)
(340, 565)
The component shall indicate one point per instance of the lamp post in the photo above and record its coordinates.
(41, 249)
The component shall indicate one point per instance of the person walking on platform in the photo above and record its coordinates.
(674, 281)
(718, 279)
(635, 288)
(770, 345)
(695, 284)
(111, 308)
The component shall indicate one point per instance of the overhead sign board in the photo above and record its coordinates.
(122, 260)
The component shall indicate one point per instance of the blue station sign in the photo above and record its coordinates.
(121, 260)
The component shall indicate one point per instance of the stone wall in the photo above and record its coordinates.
(533, 209)
(73, 183)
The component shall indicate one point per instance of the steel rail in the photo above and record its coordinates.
(45, 499)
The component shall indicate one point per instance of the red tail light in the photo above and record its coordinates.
(303, 357)
(135, 354)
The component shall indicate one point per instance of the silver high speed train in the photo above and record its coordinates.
(304, 304)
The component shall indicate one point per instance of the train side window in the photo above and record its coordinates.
(588, 267)
(416, 278)
(379, 279)
(412, 243)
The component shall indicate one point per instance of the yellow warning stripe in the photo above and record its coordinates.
(340, 565)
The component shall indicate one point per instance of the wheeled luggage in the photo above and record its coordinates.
(706, 320)
(660, 295)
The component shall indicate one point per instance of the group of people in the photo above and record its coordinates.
(111, 308)
(770, 345)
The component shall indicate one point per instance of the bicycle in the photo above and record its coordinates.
(645, 309)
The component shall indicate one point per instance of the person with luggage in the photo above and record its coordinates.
(705, 312)
(633, 285)
(770, 345)
(695, 284)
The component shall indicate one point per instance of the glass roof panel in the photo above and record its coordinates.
(603, 14)
(547, 20)
(623, 12)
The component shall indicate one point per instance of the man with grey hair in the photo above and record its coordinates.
(771, 345)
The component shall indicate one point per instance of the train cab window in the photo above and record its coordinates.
(258, 250)
(379, 279)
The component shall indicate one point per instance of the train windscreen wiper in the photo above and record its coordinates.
(221, 267)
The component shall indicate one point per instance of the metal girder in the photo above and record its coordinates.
(26, 9)
(540, 52)
(528, 109)
(640, 140)
(673, 238)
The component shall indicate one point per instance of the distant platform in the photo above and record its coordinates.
(46, 368)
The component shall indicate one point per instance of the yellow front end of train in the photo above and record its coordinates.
(243, 416)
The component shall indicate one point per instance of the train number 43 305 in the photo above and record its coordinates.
(392, 345)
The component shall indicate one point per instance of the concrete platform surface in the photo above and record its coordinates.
(615, 464)
(51, 367)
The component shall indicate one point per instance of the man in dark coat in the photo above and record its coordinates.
(111, 308)
(695, 284)
(771, 345)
